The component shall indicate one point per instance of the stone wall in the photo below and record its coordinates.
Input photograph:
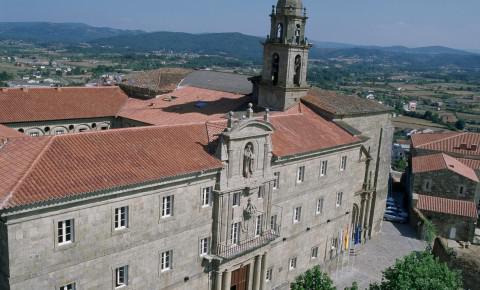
(37, 262)
(379, 130)
(465, 227)
(445, 183)
(4, 263)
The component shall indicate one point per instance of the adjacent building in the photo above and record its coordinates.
(206, 187)
(444, 182)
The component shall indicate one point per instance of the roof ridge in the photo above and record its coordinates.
(443, 139)
(29, 170)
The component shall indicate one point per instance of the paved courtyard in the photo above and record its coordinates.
(395, 241)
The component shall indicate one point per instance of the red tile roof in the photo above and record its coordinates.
(436, 162)
(472, 163)
(447, 206)
(457, 143)
(6, 132)
(188, 105)
(40, 104)
(306, 132)
(48, 168)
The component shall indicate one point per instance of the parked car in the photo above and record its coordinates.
(395, 216)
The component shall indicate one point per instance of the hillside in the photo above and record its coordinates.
(46, 32)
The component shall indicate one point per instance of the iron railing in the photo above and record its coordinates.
(229, 251)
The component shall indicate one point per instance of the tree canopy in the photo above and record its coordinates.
(419, 271)
(313, 279)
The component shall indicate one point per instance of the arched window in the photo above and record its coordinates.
(280, 32)
(275, 68)
(298, 33)
(298, 70)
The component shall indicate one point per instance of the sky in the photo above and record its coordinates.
(412, 23)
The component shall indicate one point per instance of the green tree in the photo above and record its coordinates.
(460, 124)
(313, 279)
(419, 271)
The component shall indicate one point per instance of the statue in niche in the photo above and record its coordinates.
(248, 161)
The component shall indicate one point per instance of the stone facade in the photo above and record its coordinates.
(45, 128)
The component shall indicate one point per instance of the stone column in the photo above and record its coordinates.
(227, 280)
(362, 215)
(366, 217)
(257, 272)
(263, 271)
(218, 281)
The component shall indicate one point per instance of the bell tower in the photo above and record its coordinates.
(284, 77)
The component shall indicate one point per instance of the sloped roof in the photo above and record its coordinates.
(436, 162)
(447, 206)
(472, 163)
(42, 104)
(342, 105)
(306, 132)
(184, 105)
(49, 168)
(448, 142)
(163, 79)
(219, 81)
(6, 132)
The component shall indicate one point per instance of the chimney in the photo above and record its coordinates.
(24, 89)
(58, 89)
(474, 147)
(4, 90)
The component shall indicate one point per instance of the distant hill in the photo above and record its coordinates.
(46, 32)
(227, 44)
(234, 44)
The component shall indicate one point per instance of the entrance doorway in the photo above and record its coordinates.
(240, 278)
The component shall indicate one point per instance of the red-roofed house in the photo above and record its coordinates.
(444, 176)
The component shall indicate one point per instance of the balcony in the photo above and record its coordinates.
(232, 251)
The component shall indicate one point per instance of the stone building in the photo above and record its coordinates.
(202, 188)
(54, 111)
(444, 184)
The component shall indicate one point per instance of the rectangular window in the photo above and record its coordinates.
(297, 214)
(204, 246)
(167, 206)
(319, 208)
(269, 275)
(166, 263)
(314, 253)
(70, 286)
(206, 196)
(65, 232)
(273, 223)
(34, 134)
(292, 264)
(121, 218)
(461, 190)
(323, 168)
(121, 277)
(236, 199)
(59, 132)
(427, 185)
(261, 192)
(339, 199)
(343, 163)
(276, 181)
(235, 233)
(300, 174)
(258, 225)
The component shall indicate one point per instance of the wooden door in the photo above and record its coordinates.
(240, 279)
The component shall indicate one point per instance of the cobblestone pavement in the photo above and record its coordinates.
(395, 241)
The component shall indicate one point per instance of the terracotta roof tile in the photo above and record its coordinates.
(159, 80)
(472, 163)
(306, 132)
(458, 143)
(436, 162)
(340, 104)
(447, 206)
(183, 106)
(6, 132)
(39, 104)
(64, 166)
